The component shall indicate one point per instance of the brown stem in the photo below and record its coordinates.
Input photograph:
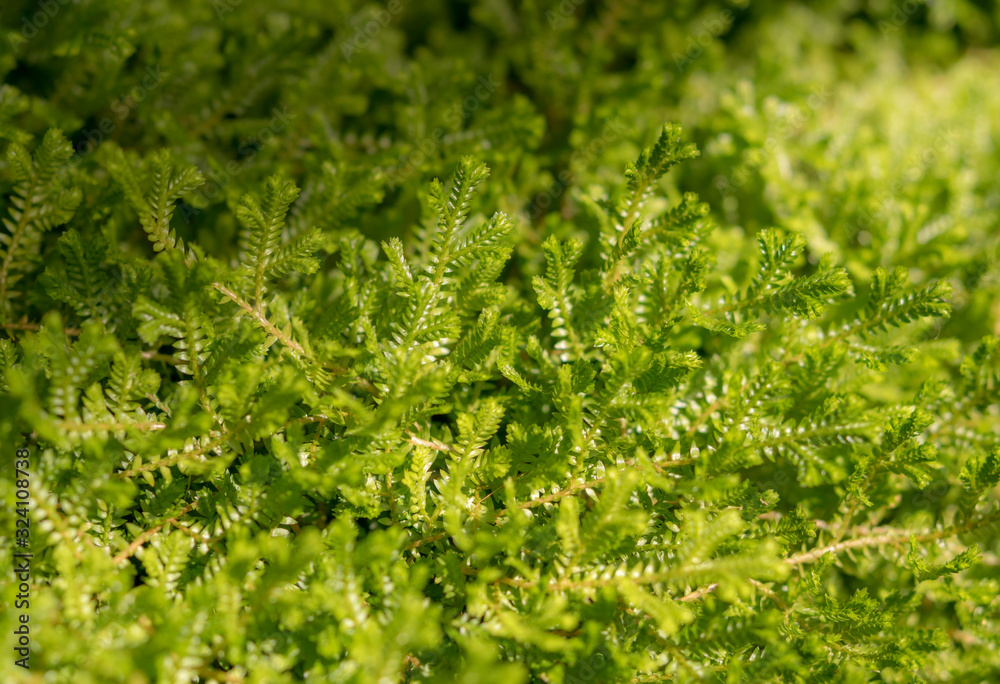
(148, 534)
(892, 537)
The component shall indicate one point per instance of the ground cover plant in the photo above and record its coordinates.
(549, 342)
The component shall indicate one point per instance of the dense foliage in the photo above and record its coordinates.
(382, 343)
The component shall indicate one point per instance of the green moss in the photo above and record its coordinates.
(392, 343)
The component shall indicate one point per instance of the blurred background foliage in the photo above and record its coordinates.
(833, 118)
